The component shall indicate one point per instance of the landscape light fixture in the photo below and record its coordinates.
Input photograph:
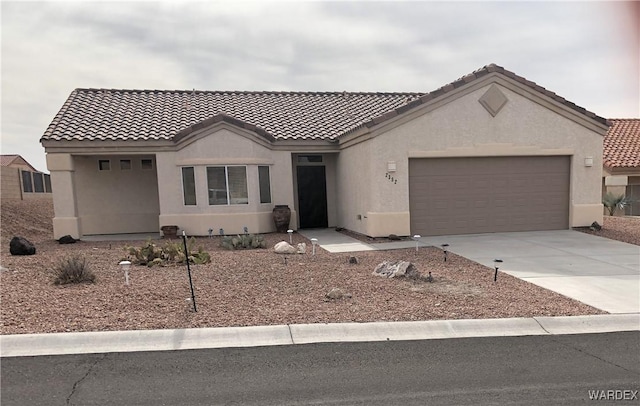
(444, 248)
(245, 229)
(314, 241)
(125, 265)
(290, 232)
(416, 237)
(497, 261)
(210, 233)
(221, 232)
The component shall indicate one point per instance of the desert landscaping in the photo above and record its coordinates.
(252, 287)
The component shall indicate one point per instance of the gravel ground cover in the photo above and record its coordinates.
(243, 288)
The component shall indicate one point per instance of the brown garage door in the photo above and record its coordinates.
(482, 195)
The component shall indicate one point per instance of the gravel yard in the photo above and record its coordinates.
(242, 288)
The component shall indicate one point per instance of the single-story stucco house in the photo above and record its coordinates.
(489, 152)
(621, 174)
(20, 180)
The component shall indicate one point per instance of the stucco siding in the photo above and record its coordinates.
(463, 127)
(222, 146)
(116, 201)
(11, 187)
(354, 186)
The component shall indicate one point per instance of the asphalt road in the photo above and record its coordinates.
(532, 370)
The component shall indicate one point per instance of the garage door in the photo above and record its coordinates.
(482, 195)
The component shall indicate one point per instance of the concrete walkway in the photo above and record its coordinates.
(331, 240)
(229, 337)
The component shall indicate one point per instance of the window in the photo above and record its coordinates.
(27, 185)
(104, 165)
(146, 164)
(227, 185)
(189, 186)
(47, 183)
(38, 182)
(265, 184)
(309, 158)
(125, 164)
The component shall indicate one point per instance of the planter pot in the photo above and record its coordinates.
(169, 231)
(281, 217)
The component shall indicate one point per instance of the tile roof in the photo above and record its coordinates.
(6, 160)
(622, 144)
(111, 114)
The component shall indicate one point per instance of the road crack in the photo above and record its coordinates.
(79, 381)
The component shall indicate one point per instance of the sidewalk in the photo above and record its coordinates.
(232, 337)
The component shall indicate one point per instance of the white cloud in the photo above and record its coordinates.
(580, 50)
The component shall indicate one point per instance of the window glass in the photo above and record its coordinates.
(217, 184)
(47, 183)
(265, 184)
(189, 186)
(146, 163)
(38, 182)
(125, 164)
(309, 158)
(104, 165)
(27, 185)
(227, 185)
(237, 176)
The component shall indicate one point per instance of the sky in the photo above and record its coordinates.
(587, 52)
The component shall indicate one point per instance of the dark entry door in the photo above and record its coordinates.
(312, 197)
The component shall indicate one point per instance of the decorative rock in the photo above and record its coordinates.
(335, 294)
(396, 269)
(353, 260)
(302, 248)
(67, 239)
(595, 226)
(394, 237)
(21, 246)
(284, 247)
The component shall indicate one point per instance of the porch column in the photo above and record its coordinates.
(65, 221)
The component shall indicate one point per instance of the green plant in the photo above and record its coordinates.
(613, 203)
(73, 270)
(172, 252)
(244, 241)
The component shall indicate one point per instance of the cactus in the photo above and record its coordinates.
(245, 241)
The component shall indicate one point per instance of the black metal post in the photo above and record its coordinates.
(186, 254)
(495, 276)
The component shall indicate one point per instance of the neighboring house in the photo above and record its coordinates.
(489, 152)
(621, 173)
(20, 180)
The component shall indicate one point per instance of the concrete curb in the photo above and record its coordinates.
(21, 345)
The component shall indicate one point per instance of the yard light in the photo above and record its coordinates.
(290, 232)
(444, 248)
(245, 229)
(416, 237)
(210, 231)
(497, 261)
(125, 265)
(221, 232)
(314, 241)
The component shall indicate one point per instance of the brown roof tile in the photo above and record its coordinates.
(622, 144)
(111, 114)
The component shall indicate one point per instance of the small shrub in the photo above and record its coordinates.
(613, 202)
(172, 252)
(73, 270)
(244, 241)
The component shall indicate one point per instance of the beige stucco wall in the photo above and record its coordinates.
(461, 127)
(354, 186)
(217, 146)
(10, 183)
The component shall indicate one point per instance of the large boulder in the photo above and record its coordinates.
(67, 239)
(396, 269)
(284, 247)
(21, 246)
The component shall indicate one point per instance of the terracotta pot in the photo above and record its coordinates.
(281, 217)
(169, 231)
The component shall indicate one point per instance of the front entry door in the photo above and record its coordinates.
(312, 197)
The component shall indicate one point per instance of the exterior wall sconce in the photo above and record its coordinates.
(588, 161)
(391, 166)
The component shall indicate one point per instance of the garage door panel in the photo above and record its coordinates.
(479, 195)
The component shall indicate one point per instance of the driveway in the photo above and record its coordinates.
(600, 272)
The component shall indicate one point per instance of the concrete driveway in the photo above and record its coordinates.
(597, 271)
